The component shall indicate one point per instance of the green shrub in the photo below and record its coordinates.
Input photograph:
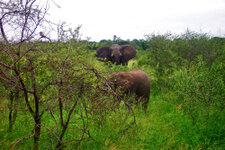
(200, 93)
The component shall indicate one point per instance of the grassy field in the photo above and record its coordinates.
(164, 126)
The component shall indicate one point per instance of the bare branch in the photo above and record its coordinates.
(54, 120)
(5, 65)
(20, 140)
(55, 135)
(3, 32)
(25, 91)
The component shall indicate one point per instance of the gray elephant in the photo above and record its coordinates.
(136, 82)
(119, 54)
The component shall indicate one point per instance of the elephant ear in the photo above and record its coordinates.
(128, 49)
(123, 47)
(102, 51)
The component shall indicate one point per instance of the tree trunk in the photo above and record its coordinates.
(14, 96)
(37, 132)
(10, 111)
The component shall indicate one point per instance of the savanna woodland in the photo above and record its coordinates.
(55, 94)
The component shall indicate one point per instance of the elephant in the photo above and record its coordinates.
(133, 82)
(119, 54)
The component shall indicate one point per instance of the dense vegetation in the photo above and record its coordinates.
(56, 95)
(186, 108)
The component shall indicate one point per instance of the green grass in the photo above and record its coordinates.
(163, 126)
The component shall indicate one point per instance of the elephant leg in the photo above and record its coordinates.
(145, 104)
(124, 63)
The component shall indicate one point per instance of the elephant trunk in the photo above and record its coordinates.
(116, 57)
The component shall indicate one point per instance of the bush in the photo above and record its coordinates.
(200, 93)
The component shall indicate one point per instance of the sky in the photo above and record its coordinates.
(132, 19)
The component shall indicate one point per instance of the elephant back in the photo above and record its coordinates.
(133, 82)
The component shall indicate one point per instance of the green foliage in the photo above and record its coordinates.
(200, 93)
(201, 83)
(139, 44)
(186, 108)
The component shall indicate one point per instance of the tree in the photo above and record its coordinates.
(51, 76)
(24, 17)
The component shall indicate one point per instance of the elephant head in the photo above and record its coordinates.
(116, 55)
(119, 54)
